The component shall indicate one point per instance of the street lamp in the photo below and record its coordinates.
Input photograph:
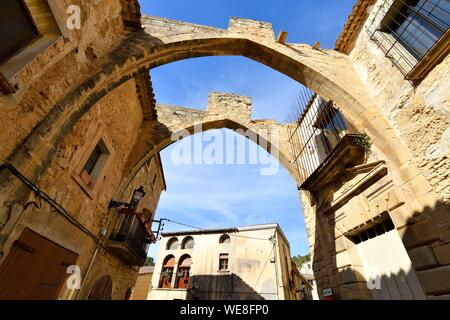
(137, 196)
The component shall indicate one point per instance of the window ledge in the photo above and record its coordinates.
(15, 64)
(223, 271)
(437, 53)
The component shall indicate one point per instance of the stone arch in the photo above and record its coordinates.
(225, 238)
(230, 111)
(162, 41)
(102, 289)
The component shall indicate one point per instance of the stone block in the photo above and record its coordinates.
(422, 258)
(435, 281)
(442, 254)
(342, 260)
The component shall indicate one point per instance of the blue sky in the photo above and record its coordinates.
(211, 196)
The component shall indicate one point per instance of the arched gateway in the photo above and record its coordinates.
(374, 189)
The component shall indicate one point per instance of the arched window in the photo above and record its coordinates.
(167, 272)
(224, 239)
(188, 243)
(102, 289)
(183, 274)
(172, 244)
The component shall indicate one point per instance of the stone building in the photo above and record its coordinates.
(141, 289)
(75, 90)
(245, 263)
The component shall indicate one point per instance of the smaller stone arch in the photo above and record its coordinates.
(172, 244)
(102, 289)
(225, 238)
(187, 243)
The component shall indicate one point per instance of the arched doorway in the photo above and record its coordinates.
(165, 280)
(183, 272)
(102, 289)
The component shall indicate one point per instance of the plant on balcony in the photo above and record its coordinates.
(363, 140)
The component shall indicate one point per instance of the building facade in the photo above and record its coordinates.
(246, 263)
(141, 289)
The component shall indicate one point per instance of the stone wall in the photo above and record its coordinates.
(118, 118)
(414, 194)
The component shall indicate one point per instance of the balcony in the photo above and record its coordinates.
(323, 143)
(130, 241)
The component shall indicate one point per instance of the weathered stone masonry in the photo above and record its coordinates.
(105, 82)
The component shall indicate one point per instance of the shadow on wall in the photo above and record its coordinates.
(379, 263)
(222, 287)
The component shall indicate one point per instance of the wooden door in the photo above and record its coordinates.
(35, 269)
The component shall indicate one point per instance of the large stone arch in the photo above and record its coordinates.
(162, 41)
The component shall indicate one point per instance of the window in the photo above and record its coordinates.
(94, 165)
(102, 289)
(383, 225)
(223, 262)
(154, 181)
(224, 239)
(165, 280)
(172, 244)
(409, 31)
(418, 24)
(183, 274)
(188, 243)
(19, 28)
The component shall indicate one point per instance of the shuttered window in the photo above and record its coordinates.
(223, 262)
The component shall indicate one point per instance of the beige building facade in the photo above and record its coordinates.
(245, 263)
(143, 285)
(80, 127)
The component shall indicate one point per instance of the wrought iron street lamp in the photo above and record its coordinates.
(137, 196)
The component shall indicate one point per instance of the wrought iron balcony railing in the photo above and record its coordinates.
(316, 127)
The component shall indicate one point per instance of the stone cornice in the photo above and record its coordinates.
(353, 24)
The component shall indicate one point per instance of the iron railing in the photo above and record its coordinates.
(133, 233)
(315, 128)
(407, 30)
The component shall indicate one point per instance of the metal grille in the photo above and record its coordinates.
(315, 128)
(406, 30)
